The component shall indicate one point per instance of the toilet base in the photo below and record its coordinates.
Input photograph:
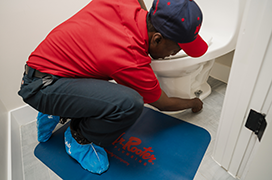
(194, 84)
(206, 91)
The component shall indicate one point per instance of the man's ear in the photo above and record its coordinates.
(156, 38)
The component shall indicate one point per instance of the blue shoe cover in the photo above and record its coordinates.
(45, 125)
(90, 156)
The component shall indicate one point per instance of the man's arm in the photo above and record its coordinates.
(165, 103)
(142, 4)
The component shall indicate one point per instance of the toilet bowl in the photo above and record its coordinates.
(186, 77)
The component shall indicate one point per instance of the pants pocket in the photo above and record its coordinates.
(29, 87)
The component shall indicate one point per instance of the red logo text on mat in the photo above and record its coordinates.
(130, 147)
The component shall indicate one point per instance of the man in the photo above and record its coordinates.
(67, 74)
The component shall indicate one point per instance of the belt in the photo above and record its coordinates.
(37, 73)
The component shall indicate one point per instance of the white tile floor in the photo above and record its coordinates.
(208, 118)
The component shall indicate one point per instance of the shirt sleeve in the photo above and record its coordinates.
(141, 79)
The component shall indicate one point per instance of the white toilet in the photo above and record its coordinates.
(186, 77)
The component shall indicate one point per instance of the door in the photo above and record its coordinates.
(249, 88)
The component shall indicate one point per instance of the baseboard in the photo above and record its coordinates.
(17, 118)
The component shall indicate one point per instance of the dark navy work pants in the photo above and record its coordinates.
(105, 110)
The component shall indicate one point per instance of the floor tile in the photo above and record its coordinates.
(33, 168)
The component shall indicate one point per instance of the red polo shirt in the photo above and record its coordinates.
(107, 39)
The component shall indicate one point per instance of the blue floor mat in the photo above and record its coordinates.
(156, 147)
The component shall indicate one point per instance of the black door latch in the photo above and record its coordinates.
(256, 122)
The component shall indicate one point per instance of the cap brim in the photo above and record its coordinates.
(196, 48)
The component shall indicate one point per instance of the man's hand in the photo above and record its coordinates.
(197, 105)
(165, 103)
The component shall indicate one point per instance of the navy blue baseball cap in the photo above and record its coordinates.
(179, 21)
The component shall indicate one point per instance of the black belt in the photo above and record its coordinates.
(37, 73)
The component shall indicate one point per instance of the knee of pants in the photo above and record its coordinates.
(133, 104)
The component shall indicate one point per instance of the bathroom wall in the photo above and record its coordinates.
(23, 25)
(148, 4)
(222, 66)
(3, 140)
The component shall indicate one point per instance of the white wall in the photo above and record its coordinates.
(3, 140)
(23, 25)
(221, 67)
(148, 4)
